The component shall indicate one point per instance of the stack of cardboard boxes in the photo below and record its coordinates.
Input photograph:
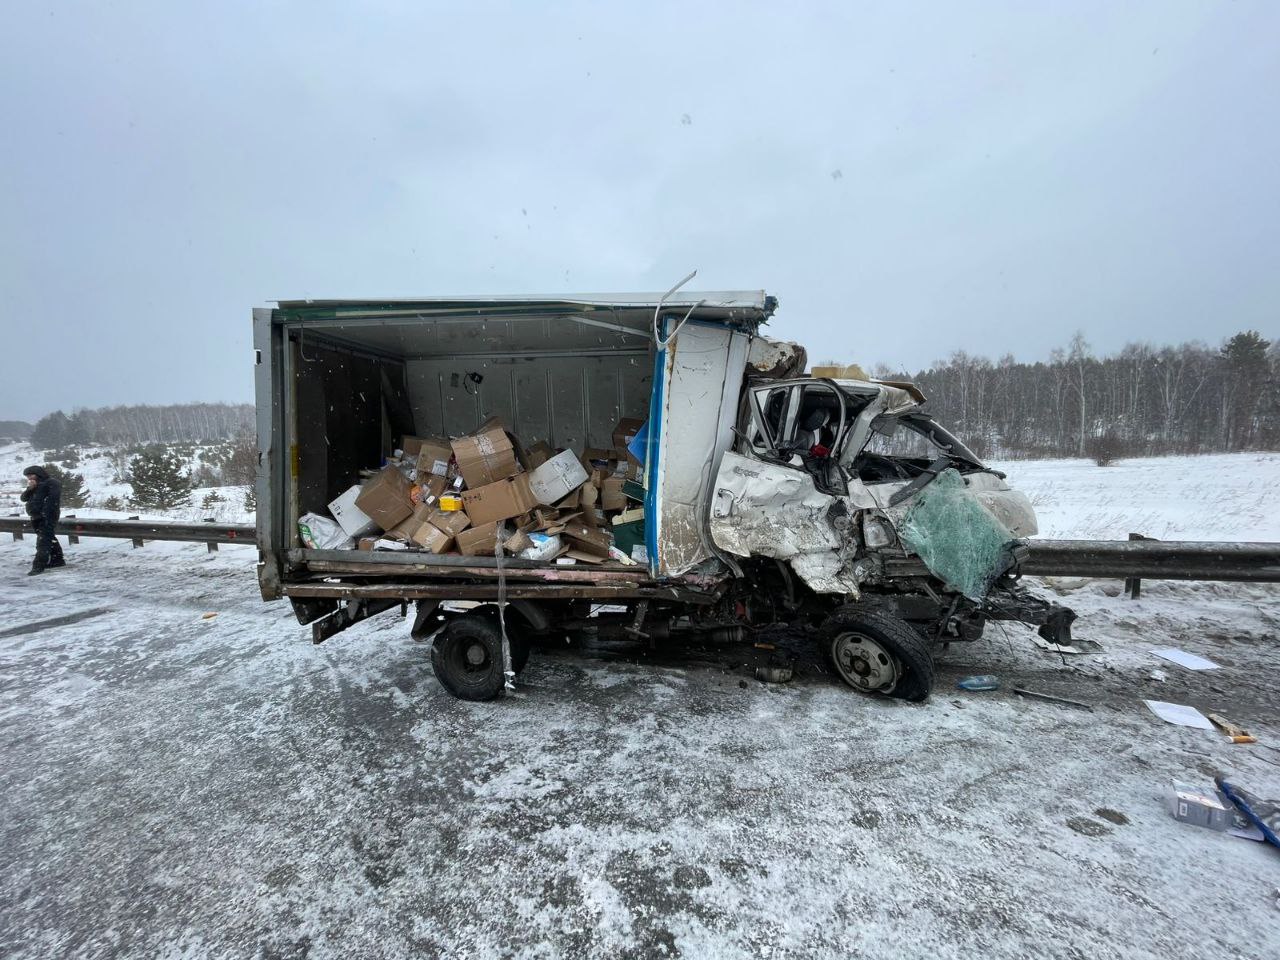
(470, 494)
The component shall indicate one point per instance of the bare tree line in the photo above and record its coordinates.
(170, 423)
(1145, 400)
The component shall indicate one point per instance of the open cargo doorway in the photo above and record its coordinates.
(355, 376)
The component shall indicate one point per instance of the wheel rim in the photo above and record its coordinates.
(469, 662)
(863, 663)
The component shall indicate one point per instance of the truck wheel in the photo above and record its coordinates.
(467, 657)
(878, 653)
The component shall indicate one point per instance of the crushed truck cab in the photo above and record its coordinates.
(763, 495)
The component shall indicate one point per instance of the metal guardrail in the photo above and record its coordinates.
(1103, 559)
(139, 531)
(1154, 560)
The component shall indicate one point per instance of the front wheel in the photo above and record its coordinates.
(874, 652)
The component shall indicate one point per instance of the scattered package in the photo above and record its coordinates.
(467, 494)
(1200, 806)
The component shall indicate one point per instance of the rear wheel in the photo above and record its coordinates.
(874, 652)
(467, 657)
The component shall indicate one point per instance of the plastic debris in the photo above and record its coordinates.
(982, 682)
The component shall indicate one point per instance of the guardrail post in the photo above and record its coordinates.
(137, 541)
(1133, 585)
(212, 545)
(71, 537)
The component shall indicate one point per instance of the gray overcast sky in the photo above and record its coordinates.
(908, 179)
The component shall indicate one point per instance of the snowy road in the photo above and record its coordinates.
(176, 786)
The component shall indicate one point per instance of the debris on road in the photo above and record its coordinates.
(1180, 714)
(1198, 806)
(1234, 732)
(1051, 698)
(984, 682)
(1184, 659)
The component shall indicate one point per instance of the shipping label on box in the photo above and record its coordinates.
(557, 478)
(434, 454)
(353, 521)
(386, 497)
(499, 501)
(486, 456)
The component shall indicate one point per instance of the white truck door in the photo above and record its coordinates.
(697, 385)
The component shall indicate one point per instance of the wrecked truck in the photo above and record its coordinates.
(839, 506)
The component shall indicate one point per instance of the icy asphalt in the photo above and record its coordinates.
(176, 786)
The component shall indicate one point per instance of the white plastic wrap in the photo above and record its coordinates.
(321, 533)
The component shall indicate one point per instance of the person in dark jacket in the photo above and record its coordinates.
(43, 498)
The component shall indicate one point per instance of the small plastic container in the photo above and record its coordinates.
(450, 503)
(984, 682)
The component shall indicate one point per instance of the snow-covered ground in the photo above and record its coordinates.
(179, 785)
(1226, 496)
(99, 471)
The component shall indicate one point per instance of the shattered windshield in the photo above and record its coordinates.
(900, 444)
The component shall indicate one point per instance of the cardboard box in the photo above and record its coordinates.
(431, 538)
(557, 478)
(624, 433)
(353, 521)
(1204, 807)
(539, 453)
(499, 501)
(430, 489)
(410, 445)
(385, 499)
(452, 522)
(433, 457)
(479, 541)
(486, 456)
(611, 495)
(587, 539)
(593, 455)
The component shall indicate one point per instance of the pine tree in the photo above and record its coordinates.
(160, 480)
(251, 500)
(74, 492)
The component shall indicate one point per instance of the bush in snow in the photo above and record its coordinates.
(159, 479)
(251, 500)
(74, 492)
(211, 500)
(1105, 449)
(113, 503)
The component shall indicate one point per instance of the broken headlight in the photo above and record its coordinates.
(877, 532)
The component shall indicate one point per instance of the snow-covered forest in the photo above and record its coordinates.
(1143, 401)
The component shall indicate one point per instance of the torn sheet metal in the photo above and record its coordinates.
(775, 359)
(768, 510)
(957, 537)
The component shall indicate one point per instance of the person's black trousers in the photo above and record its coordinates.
(48, 550)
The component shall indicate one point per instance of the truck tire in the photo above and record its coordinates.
(874, 652)
(467, 657)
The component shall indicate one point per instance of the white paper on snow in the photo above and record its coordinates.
(1184, 659)
(1180, 714)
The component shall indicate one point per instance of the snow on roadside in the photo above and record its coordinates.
(1227, 496)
